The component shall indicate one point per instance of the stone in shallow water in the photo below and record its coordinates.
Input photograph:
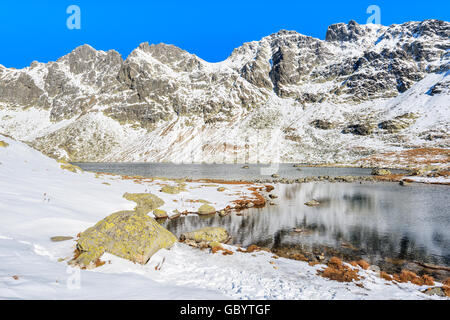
(206, 209)
(312, 203)
(380, 172)
(208, 234)
(126, 234)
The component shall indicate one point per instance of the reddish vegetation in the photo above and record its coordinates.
(413, 157)
(250, 249)
(99, 263)
(390, 177)
(363, 264)
(258, 201)
(298, 256)
(225, 252)
(269, 188)
(446, 282)
(385, 276)
(409, 276)
(339, 272)
(428, 280)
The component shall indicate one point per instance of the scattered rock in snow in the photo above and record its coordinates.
(208, 234)
(60, 238)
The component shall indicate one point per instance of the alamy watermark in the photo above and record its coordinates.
(375, 12)
(74, 20)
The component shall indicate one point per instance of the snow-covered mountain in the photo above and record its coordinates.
(366, 89)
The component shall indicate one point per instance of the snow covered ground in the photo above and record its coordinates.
(39, 200)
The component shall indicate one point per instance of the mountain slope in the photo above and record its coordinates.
(366, 89)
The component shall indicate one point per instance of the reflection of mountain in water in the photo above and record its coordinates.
(379, 220)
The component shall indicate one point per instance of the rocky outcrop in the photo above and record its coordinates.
(363, 129)
(398, 123)
(126, 234)
(92, 105)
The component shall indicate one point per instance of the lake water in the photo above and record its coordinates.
(219, 171)
(384, 223)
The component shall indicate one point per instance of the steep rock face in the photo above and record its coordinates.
(165, 104)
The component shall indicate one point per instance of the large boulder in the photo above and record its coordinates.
(126, 234)
(362, 129)
(145, 202)
(208, 234)
(322, 124)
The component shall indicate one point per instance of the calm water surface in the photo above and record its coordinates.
(387, 224)
(218, 171)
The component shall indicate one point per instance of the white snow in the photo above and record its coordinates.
(39, 200)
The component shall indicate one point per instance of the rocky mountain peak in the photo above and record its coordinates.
(162, 86)
(345, 32)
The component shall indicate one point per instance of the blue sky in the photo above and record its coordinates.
(36, 30)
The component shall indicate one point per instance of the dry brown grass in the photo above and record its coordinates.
(446, 290)
(361, 263)
(339, 272)
(225, 252)
(418, 157)
(446, 282)
(386, 276)
(298, 257)
(258, 201)
(408, 276)
(428, 280)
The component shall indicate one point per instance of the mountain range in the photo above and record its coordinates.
(363, 91)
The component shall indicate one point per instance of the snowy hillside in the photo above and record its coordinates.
(365, 90)
(39, 200)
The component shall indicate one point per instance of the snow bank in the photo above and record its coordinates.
(39, 200)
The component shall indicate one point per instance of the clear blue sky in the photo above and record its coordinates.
(36, 30)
